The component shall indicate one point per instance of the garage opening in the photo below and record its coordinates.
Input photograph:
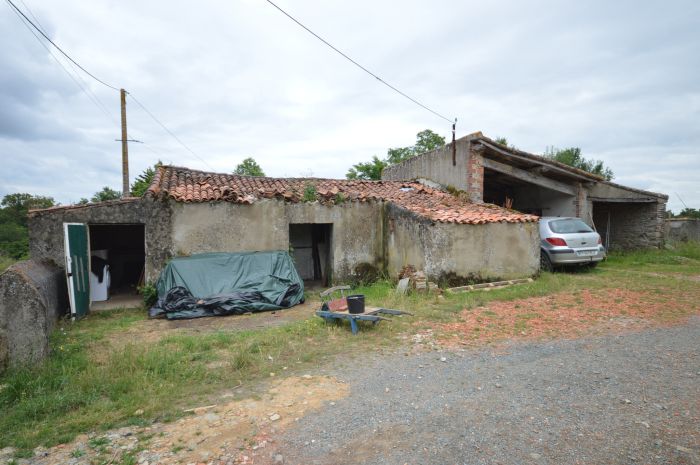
(117, 259)
(623, 225)
(310, 247)
(511, 192)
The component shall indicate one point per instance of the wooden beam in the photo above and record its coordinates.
(529, 177)
(624, 199)
(549, 166)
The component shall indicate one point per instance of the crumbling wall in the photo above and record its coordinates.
(264, 225)
(46, 241)
(32, 297)
(682, 230)
(485, 251)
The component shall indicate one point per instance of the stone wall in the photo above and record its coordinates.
(32, 297)
(226, 227)
(486, 251)
(632, 225)
(46, 241)
(682, 230)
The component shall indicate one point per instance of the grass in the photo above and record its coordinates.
(92, 383)
(5, 262)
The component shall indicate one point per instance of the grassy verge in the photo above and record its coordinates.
(5, 262)
(92, 383)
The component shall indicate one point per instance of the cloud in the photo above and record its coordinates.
(236, 79)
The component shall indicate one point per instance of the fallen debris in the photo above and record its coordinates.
(410, 278)
(488, 286)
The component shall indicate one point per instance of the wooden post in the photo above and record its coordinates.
(125, 148)
(454, 143)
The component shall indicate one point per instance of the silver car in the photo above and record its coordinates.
(568, 241)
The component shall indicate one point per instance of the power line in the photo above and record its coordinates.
(59, 48)
(359, 65)
(165, 128)
(679, 198)
(75, 77)
(85, 88)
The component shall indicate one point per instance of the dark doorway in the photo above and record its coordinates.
(310, 245)
(510, 192)
(122, 248)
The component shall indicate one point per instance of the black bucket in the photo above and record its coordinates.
(356, 303)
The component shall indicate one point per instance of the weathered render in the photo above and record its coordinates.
(489, 172)
(491, 251)
(32, 297)
(435, 165)
(264, 225)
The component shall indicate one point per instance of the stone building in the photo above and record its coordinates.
(489, 172)
(335, 229)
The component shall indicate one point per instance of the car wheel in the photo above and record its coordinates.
(545, 262)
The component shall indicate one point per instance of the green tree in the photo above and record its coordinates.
(426, 141)
(16, 206)
(14, 239)
(371, 170)
(572, 156)
(689, 213)
(249, 167)
(144, 180)
(106, 194)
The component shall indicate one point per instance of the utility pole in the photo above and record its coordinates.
(125, 148)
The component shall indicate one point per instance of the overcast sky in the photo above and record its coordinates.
(236, 78)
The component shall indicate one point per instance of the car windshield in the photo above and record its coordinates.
(569, 225)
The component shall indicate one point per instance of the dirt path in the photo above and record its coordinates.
(227, 432)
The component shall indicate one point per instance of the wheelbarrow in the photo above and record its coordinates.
(336, 309)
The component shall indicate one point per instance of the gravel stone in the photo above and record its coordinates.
(556, 400)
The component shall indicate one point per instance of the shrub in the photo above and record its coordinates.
(309, 193)
(149, 294)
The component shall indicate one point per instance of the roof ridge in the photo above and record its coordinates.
(193, 186)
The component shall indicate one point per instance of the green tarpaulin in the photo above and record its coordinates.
(225, 283)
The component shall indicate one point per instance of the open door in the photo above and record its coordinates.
(77, 268)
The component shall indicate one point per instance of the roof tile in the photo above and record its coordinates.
(186, 185)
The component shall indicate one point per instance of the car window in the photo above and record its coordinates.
(570, 225)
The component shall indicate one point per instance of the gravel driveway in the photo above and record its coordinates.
(619, 399)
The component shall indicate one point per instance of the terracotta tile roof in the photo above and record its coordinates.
(190, 186)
